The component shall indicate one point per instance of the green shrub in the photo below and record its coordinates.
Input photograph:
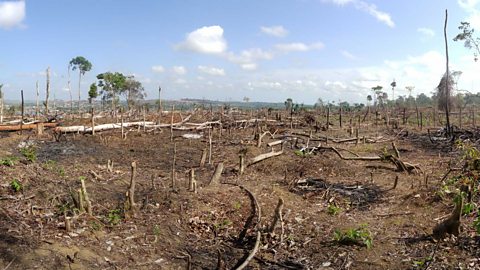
(355, 236)
(16, 185)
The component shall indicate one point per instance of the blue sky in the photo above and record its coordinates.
(267, 50)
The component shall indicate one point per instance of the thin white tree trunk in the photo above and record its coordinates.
(70, 90)
(1, 106)
(47, 91)
(79, 83)
(37, 101)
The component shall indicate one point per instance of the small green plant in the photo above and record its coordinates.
(422, 263)
(50, 164)
(29, 152)
(355, 236)
(156, 230)
(95, 226)
(301, 153)
(223, 225)
(237, 205)
(16, 185)
(476, 224)
(333, 210)
(8, 161)
(114, 216)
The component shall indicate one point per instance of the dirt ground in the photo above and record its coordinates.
(216, 228)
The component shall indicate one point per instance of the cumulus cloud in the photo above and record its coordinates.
(368, 8)
(158, 69)
(276, 31)
(12, 14)
(427, 32)
(212, 70)
(208, 40)
(299, 47)
(179, 70)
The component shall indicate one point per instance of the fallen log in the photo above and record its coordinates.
(101, 127)
(117, 126)
(25, 126)
(264, 156)
(401, 165)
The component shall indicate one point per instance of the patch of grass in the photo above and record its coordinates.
(29, 152)
(96, 226)
(156, 230)
(16, 185)
(421, 263)
(8, 161)
(333, 209)
(301, 153)
(237, 205)
(114, 216)
(223, 225)
(355, 236)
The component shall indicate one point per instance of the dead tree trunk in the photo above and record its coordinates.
(47, 91)
(447, 86)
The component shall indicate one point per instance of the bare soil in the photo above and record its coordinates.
(174, 228)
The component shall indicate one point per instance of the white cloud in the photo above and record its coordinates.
(298, 47)
(369, 8)
(212, 70)
(276, 31)
(12, 14)
(250, 66)
(158, 69)
(180, 70)
(208, 39)
(426, 31)
(472, 8)
(348, 55)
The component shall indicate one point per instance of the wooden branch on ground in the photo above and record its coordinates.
(401, 165)
(25, 126)
(103, 127)
(252, 253)
(264, 156)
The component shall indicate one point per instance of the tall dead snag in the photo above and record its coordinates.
(23, 113)
(217, 174)
(37, 108)
(47, 91)
(130, 198)
(93, 121)
(447, 81)
(173, 164)
(1, 104)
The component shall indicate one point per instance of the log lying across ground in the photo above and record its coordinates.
(401, 165)
(103, 127)
(25, 126)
